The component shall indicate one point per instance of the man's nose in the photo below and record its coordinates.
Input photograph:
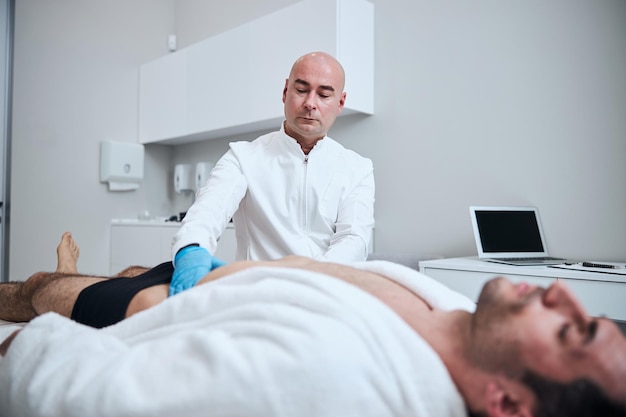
(561, 298)
(310, 102)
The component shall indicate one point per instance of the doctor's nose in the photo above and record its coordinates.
(559, 297)
(310, 102)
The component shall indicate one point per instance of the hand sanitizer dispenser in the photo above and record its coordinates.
(182, 178)
(121, 165)
(202, 173)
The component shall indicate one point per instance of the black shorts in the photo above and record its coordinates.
(105, 302)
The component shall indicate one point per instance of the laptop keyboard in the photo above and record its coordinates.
(534, 258)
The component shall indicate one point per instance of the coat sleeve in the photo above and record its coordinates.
(215, 204)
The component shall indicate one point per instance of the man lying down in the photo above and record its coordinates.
(295, 337)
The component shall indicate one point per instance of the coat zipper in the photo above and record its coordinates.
(304, 196)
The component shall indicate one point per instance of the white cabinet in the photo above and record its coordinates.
(231, 83)
(600, 294)
(140, 243)
(220, 89)
(148, 243)
(163, 97)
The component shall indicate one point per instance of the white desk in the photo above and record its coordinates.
(601, 294)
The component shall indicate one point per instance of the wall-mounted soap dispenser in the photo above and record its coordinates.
(203, 169)
(121, 165)
(182, 178)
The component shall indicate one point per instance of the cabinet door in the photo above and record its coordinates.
(140, 245)
(134, 245)
(272, 53)
(218, 69)
(163, 98)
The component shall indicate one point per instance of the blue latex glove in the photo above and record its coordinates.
(192, 264)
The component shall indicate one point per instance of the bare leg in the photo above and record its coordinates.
(59, 292)
(23, 301)
(41, 293)
(146, 298)
(14, 306)
(16, 297)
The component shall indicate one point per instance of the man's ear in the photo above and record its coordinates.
(508, 399)
(285, 90)
(342, 101)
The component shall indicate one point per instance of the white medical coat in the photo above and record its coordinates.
(284, 202)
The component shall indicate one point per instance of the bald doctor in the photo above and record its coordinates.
(295, 191)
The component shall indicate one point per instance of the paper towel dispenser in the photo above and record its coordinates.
(121, 165)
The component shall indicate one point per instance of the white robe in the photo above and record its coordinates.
(262, 342)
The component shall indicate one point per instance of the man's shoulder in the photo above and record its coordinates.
(259, 141)
(261, 138)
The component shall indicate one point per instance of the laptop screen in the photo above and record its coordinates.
(508, 231)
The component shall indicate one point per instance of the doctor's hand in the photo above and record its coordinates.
(191, 264)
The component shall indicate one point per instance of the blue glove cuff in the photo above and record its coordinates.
(191, 256)
(191, 264)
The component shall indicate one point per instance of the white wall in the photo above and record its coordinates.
(466, 96)
(75, 84)
(469, 93)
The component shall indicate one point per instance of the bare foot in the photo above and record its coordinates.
(67, 255)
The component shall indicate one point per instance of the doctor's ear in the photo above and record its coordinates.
(508, 399)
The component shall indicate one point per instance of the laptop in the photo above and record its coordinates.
(511, 235)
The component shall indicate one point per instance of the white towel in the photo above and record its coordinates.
(8, 327)
(262, 342)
